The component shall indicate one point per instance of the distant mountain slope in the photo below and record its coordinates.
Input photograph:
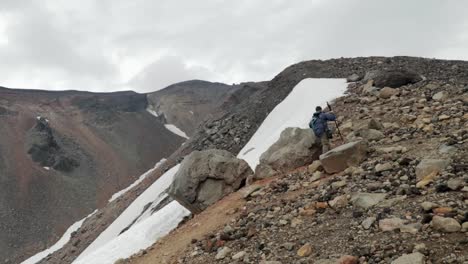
(63, 154)
(186, 104)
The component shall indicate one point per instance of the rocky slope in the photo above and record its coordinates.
(233, 127)
(407, 202)
(63, 154)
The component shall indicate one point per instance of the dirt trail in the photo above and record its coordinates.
(168, 248)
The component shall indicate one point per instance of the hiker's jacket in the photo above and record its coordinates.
(321, 126)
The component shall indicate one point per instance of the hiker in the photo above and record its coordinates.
(320, 127)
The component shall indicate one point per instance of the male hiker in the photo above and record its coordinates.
(320, 127)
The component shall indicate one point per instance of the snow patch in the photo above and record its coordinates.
(140, 236)
(295, 110)
(151, 111)
(166, 219)
(59, 244)
(135, 183)
(46, 168)
(176, 130)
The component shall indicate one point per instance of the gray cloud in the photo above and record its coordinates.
(146, 45)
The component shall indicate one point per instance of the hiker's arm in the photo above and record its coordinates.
(330, 116)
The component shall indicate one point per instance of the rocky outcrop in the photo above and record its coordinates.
(204, 177)
(344, 156)
(45, 150)
(392, 78)
(296, 147)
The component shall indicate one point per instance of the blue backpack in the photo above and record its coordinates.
(313, 122)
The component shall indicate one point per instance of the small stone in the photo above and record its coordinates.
(338, 184)
(390, 224)
(464, 227)
(368, 222)
(420, 248)
(427, 206)
(440, 96)
(442, 211)
(367, 200)
(239, 255)
(305, 250)
(455, 184)
(429, 166)
(411, 228)
(339, 202)
(347, 259)
(222, 253)
(413, 258)
(387, 92)
(316, 176)
(383, 167)
(289, 246)
(445, 224)
(316, 165)
(444, 117)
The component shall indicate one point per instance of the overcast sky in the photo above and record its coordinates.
(145, 45)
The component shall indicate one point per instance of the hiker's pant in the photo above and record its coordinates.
(325, 143)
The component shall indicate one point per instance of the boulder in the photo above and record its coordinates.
(392, 78)
(344, 156)
(387, 92)
(204, 177)
(296, 147)
(430, 166)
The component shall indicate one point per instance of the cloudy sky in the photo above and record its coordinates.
(145, 45)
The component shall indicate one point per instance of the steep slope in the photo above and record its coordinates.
(232, 128)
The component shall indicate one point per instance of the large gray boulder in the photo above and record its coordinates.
(344, 156)
(296, 147)
(392, 78)
(204, 177)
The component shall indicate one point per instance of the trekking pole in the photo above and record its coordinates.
(336, 123)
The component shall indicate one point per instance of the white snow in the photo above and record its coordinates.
(107, 245)
(176, 130)
(151, 111)
(135, 183)
(59, 244)
(295, 110)
(46, 168)
(140, 236)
